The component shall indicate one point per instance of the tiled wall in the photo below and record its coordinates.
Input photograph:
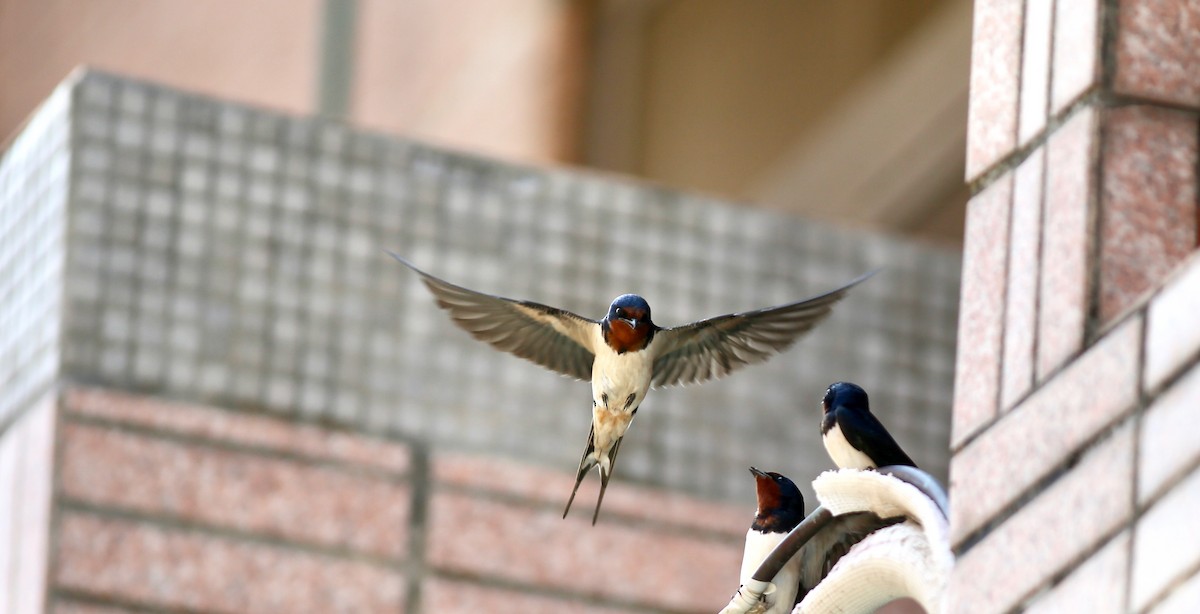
(180, 507)
(1075, 463)
(233, 255)
(34, 183)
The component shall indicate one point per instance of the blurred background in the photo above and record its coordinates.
(253, 399)
(850, 112)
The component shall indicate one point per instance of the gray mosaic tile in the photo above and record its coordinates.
(235, 255)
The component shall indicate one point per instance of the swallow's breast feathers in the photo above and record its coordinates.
(828, 420)
(622, 337)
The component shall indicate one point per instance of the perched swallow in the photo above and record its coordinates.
(780, 509)
(853, 436)
(831, 543)
(625, 353)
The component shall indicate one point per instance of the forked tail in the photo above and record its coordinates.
(586, 463)
(604, 477)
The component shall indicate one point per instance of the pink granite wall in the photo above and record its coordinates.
(1076, 468)
(166, 506)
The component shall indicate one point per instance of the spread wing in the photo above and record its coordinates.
(553, 338)
(713, 347)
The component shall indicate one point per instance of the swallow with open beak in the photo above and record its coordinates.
(780, 509)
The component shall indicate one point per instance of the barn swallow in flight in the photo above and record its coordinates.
(625, 353)
(780, 509)
(853, 436)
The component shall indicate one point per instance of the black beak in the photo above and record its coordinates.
(632, 322)
(758, 473)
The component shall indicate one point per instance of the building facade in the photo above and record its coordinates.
(220, 394)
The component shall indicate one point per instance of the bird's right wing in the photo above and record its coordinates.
(553, 338)
(711, 348)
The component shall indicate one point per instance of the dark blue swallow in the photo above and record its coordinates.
(625, 353)
(853, 436)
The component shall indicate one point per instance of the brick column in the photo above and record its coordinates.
(1074, 477)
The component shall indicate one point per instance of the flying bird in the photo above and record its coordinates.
(625, 353)
(853, 436)
(780, 509)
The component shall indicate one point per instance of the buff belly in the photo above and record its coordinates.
(619, 384)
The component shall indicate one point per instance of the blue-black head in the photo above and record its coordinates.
(845, 394)
(632, 309)
(780, 503)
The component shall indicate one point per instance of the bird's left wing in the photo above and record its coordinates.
(714, 347)
(553, 338)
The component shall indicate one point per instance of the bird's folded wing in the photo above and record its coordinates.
(553, 338)
(716, 346)
(869, 434)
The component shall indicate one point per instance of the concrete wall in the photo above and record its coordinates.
(503, 78)
(26, 487)
(852, 112)
(730, 86)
